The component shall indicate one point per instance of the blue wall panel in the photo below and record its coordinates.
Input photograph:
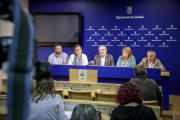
(160, 29)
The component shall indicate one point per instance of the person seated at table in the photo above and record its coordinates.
(151, 61)
(130, 99)
(149, 87)
(127, 59)
(44, 103)
(58, 57)
(85, 112)
(103, 58)
(78, 58)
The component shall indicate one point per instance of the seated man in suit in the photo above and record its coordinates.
(103, 58)
(58, 57)
(151, 61)
(149, 87)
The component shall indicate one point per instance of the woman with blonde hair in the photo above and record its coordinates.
(126, 59)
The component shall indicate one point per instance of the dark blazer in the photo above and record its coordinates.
(155, 63)
(109, 60)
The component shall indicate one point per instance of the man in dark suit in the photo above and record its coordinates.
(149, 87)
(151, 61)
(103, 58)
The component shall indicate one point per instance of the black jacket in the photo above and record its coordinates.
(139, 112)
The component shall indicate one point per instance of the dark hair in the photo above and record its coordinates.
(76, 47)
(139, 70)
(129, 92)
(85, 112)
(44, 88)
(57, 45)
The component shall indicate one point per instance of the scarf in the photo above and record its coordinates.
(79, 61)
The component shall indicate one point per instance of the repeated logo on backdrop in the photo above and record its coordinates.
(130, 37)
(117, 36)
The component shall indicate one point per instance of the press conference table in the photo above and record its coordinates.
(116, 75)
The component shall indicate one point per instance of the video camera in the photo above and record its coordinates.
(40, 69)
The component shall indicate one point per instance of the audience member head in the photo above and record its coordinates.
(151, 55)
(127, 93)
(102, 50)
(127, 52)
(44, 88)
(58, 48)
(78, 50)
(139, 70)
(85, 112)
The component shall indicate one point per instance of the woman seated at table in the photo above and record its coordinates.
(130, 99)
(85, 112)
(78, 58)
(44, 103)
(127, 59)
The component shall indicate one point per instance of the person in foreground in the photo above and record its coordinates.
(130, 99)
(45, 104)
(58, 57)
(78, 58)
(103, 58)
(149, 87)
(151, 61)
(127, 59)
(85, 112)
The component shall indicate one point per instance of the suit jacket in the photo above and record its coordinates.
(109, 60)
(155, 63)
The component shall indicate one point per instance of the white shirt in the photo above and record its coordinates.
(151, 65)
(103, 60)
(84, 59)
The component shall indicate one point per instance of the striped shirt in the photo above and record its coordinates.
(63, 58)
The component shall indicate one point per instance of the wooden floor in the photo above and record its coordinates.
(174, 107)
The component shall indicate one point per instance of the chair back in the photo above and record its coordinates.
(153, 102)
(157, 111)
(60, 92)
(3, 113)
(160, 88)
(79, 95)
(108, 97)
(176, 117)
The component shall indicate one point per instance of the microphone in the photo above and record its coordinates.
(92, 62)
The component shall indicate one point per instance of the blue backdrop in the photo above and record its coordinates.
(141, 25)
